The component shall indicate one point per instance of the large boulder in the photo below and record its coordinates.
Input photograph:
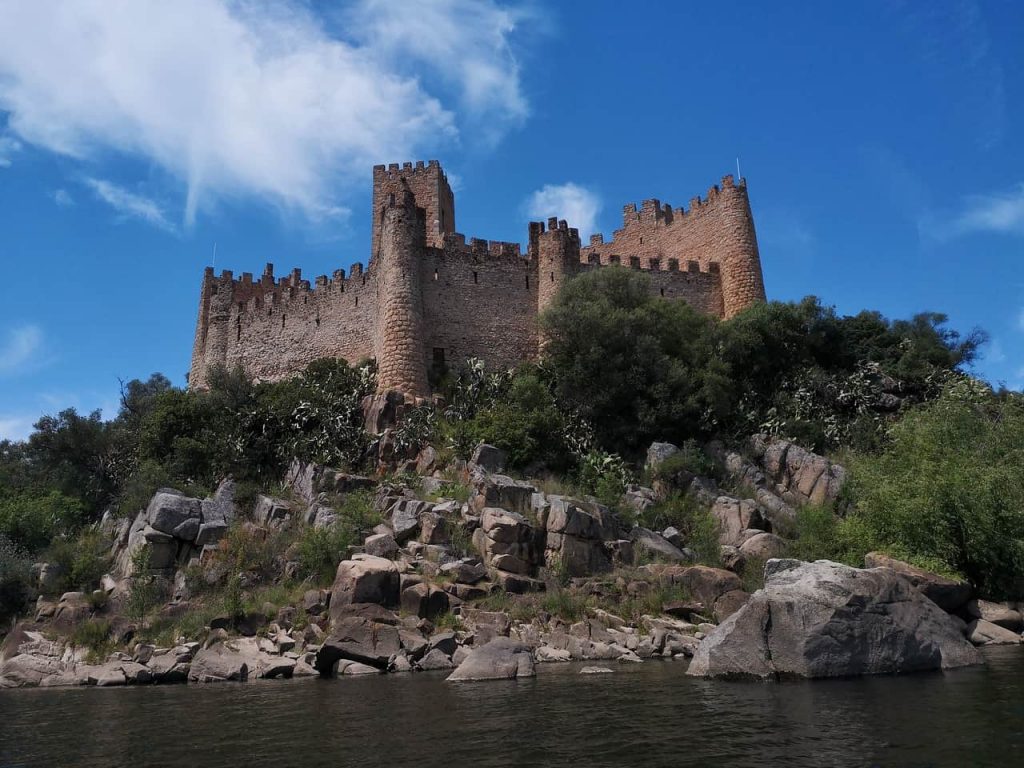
(708, 584)
(656, 547)
(509, 542)
(824, 619)
(169, 509)
(500, 659)
(489, 457)
(1001, 614)
(219, 663)
(365, 579)
(371, 639)
(949, 594)
(981, 632)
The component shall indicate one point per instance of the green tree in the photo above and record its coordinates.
(634, 366)
(949, 488)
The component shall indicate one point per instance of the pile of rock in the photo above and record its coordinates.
(174, 528)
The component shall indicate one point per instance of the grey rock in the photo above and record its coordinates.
(365, 579)
(168, 509)
(1003, 614)
(981, 632)
(655, 546)
(381, 545)
(489, 457)
(218, 663)
(824, 619)
(500, 659)
(657, 454)
(950, 595)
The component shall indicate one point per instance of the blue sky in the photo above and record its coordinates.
(883, 143)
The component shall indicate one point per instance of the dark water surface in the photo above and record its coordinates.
(642, 715)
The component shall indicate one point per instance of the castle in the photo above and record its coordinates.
(430, 299)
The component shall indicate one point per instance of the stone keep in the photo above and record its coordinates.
(430, 298)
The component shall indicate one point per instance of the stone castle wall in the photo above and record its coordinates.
(432, 298)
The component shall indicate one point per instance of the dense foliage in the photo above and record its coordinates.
(638, 368)
(74, 467)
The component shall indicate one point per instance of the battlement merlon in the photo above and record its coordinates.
(429, 186)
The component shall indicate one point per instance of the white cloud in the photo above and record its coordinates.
(129, 204)
(464, 42)
(22, 347)
(16, 427)
(995, 213)
(577, 205)
(63, 198)
(8, 147)
(253, 98)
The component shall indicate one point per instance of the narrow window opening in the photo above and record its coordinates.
(238, 329)
(662, 291)
(475, 281)
(552, 277)
(318, 321)
(527, 282)
(641, 241)
(357, 301)
(282, 320)
(435, 274)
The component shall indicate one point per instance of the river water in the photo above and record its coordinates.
(647, 714)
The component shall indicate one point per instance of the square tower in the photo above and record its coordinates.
(429, 186)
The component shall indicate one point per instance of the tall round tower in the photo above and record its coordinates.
(398, 342)
(742, 280)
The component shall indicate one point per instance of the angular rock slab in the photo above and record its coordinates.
(824, 619)
(501, 659)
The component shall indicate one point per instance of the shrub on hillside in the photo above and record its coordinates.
(949, 487)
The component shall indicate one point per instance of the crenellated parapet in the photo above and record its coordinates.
(431, 297)
(716, 231)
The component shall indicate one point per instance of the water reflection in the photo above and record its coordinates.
(648, 714)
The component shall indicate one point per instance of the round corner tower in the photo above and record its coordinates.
(399, 340)
(742, 279)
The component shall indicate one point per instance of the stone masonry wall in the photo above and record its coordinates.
(430, 297)
(716, 231)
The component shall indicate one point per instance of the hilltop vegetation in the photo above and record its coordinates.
(936, 457)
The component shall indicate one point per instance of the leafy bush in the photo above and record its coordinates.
(83, 559)
(321, 549)
(950, 487)
(695, 523)
(15, 580)
(144, 591)
(33, 520)
(605, 476)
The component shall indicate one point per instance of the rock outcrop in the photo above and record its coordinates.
(824, 619)
(500, 659)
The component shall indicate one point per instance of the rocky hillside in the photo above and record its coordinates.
(459, 566)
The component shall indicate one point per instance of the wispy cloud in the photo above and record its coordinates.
(16, 427)
(1020, 319)
(576, 204)
(1001, 213)
(63, 198)
(22, 348)
(256, 99)
(8, 147)
(129, 204)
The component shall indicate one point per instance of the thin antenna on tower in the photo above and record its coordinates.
(738, 174)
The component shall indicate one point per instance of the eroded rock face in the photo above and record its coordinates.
(948, 594)
(824, 619)
(364, 579)
(500, 659)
